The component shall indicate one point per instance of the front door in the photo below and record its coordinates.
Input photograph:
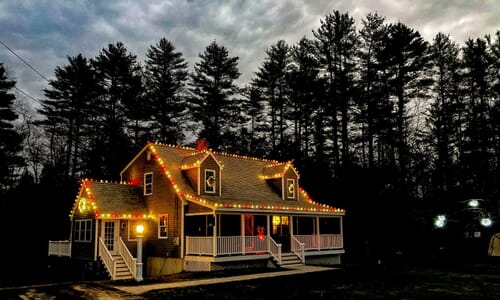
(110, 233)
(281, 232)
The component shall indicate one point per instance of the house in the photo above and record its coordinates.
(201, 210)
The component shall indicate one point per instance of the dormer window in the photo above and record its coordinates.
(148, 184)
(290, 188)
(210, 181)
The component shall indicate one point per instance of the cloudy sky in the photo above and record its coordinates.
(44, 33)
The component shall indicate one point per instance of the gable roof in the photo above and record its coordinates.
(243, 184)
(112, 200)
(277, 170)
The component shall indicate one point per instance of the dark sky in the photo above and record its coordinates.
(45, 32)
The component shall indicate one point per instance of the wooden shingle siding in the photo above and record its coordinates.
(192, 177)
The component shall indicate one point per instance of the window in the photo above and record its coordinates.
(163, 227)
(83, 230)
(290, 188)
(148, 183)
(210, 181)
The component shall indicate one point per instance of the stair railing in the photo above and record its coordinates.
(298, 249)
(107, 259)
(275, 250)
(129, 260)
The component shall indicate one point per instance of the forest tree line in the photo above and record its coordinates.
(376, 119)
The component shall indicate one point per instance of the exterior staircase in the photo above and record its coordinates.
(290, 260)
(122, 271)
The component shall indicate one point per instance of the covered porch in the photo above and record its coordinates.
(229, 236)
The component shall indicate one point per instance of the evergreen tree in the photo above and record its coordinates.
(406, 62)
(166, 74)
(477, 151)
(371, 101)
(67, 110)
(272, 80)
(212, 103)
(445, 111)
(119, 76)
(305, 95)
(10, 139)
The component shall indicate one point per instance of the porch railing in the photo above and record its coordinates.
(229, 245)
(107, 259)
(129, 260)
(60, 248)
(298, 248)
(321, 242)
(226, 245)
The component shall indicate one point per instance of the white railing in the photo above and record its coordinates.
(298, 248)
(199, 245)
(107, 259)
(226, 245)
(129, 260)
(321, 242)
(230, 245)
(275, 250)
(60, 248)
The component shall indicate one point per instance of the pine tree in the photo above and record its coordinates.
(119, 110)
(67, 111)
(371, 102)
(272, 80)
(445, 112)
(406, 62)
(10, 139)
(213, 103)
(166, 74)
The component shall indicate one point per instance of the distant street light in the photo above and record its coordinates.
(440, 221)
(474, 203)
(139, 229)
(486, 222)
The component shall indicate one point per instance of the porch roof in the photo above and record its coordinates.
(111, 200)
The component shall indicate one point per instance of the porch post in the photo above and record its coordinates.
(214, 240)
(96, 244)
(182, 228)
(268, 234)
(318, 241)
(341, 232)
(242, 232)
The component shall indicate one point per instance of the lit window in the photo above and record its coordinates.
(290, 188)
(210, 181)
(83, 230)
(163, 226)
(148, 183)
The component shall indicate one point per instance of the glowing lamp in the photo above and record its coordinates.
(486, 222)
(473, 203)
(440, 221)
(139, 229)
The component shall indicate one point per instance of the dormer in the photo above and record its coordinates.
(284, 179)
(203, 171)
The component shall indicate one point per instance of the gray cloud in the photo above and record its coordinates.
(45, 32)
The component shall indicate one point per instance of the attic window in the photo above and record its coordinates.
(290, 189)
(210, 181)
(148, 183)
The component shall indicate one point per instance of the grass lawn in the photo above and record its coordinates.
(352, 282)
(348, 282)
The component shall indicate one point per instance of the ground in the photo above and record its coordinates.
(349, 282)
